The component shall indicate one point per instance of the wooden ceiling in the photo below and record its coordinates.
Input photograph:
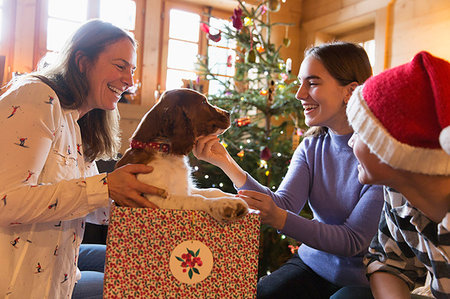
(227, 5)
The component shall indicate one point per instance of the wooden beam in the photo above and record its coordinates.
(345, 14)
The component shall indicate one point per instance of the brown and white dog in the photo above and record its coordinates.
(165, 135)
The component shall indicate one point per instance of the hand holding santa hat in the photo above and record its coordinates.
(403, 115)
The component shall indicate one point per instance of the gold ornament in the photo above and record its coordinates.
(274, 5)
(251, 56)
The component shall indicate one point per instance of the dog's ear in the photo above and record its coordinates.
(181, 131)
(151, 126)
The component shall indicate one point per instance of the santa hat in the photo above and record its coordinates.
(403, 115)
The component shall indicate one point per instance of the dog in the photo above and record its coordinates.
(165, 136)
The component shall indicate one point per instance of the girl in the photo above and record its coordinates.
(323, 172)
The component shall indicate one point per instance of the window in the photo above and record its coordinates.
(60, 18)
(184, 42)
(369, 46)
(183, 47)
(221, 56)
(364, 36)
(65, 16)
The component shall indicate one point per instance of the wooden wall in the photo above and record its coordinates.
(401, 28)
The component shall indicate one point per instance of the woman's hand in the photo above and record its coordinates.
(126, 190)
(209, 149)
(270, 213)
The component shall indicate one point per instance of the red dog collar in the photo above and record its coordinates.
(162, 147)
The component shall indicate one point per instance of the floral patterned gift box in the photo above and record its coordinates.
(156, 253)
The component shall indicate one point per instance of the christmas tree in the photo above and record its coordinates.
(267, 120)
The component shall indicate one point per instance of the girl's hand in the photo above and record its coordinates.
(126, 190)
(270, 213)
(209, 149)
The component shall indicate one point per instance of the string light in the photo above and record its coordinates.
(196, 168)
(262, 163)
(248, 22)
(278, 154)
(220, 185)
(206, 176)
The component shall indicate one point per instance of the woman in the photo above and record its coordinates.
(322, 172)
(54, 123)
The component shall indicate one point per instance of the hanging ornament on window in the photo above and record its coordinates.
(274, 5)
(229, 61)
(214, 37)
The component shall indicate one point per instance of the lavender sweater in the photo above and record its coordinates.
(323, 172)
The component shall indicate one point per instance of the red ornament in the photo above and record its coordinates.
(243, 121)
(229, 61)
(237, 18)
(215, 37)
(204, 27)
(265, 154)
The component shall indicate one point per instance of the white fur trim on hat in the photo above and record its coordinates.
(387, 148)
(444, 139)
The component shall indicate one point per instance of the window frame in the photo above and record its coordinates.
(8, 38)
(204, 12)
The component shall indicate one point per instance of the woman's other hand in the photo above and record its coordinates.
(126, 190)
(270, 213)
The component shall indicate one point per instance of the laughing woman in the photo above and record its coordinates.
(54, 123)
(323, 173)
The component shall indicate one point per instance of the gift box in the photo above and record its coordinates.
(156, 253)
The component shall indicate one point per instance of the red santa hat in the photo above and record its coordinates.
(403, 115)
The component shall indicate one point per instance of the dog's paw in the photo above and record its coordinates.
(228, 208)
